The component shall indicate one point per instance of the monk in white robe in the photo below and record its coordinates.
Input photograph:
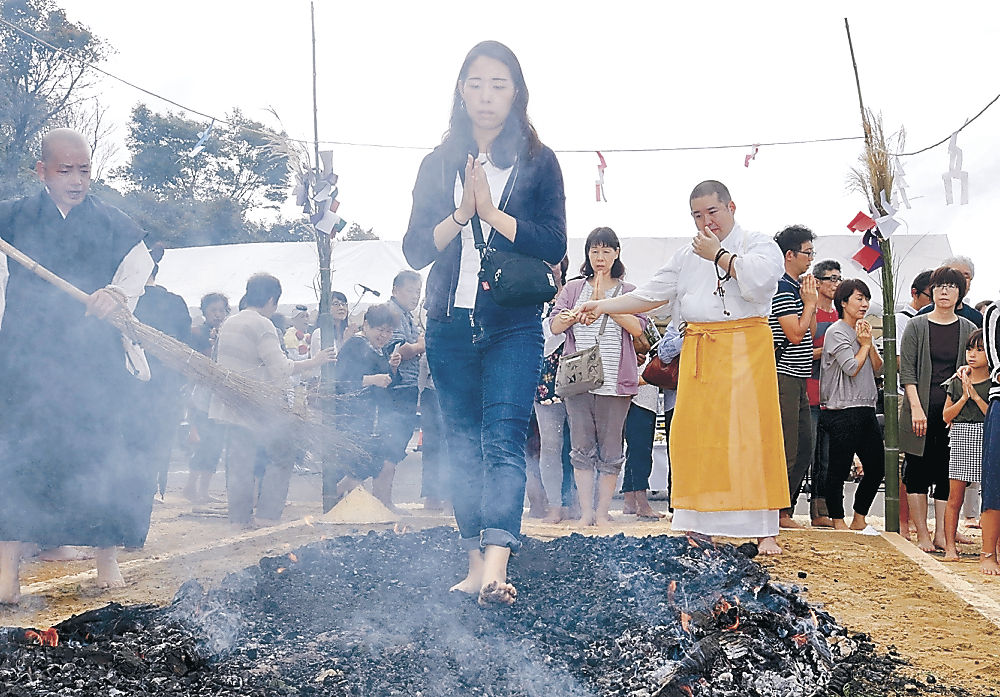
(726, 449)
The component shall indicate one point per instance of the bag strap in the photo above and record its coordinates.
(477, 226)
(604, 322)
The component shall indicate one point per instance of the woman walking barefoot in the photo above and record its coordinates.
(485, 358)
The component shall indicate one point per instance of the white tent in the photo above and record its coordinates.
(193, 271)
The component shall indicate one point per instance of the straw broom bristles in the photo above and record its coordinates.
(267, 405)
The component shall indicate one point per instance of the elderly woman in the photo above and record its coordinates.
(932, 349)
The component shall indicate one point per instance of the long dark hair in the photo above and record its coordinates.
(518, 136)
(602, 237)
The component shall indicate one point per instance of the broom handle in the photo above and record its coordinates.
(42, 272)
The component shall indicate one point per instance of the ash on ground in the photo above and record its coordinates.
(371, 616)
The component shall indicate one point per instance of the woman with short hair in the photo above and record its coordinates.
(932, 350)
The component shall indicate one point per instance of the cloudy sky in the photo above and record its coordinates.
(602, 76)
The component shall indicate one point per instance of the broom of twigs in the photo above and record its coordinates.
(272, 408)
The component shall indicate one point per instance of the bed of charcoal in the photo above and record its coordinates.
(370, 616)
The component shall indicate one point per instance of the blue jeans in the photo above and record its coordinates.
(486, 378)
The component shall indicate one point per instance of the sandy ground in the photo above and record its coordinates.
(865, 582)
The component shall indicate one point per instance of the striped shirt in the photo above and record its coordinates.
(796, 359)
(611, 342)
(991, 342)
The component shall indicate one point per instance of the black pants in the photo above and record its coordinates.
(640, 426)
(931, 468)
(853, 431)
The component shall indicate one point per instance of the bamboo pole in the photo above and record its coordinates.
(880, 182)
(324, 246)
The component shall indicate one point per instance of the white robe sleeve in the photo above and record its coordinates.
(662, 287)
(759, 269)
(133, 272)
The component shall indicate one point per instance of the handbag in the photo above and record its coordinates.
(512, 279)
(582, 371)
(662, 374)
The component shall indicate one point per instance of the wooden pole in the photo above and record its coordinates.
(324, 246)
(889, 350)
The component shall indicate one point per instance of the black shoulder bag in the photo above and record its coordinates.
(512, 278)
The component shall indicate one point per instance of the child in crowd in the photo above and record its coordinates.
(964, 412)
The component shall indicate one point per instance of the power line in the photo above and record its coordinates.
(390, 146)
(948, 137)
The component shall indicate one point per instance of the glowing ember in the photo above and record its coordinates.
(48, 637)
(800, 640)
(280, 570)
(686, 622)
(671, 589)
(292, 557)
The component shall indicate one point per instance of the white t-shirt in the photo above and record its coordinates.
(468, 273)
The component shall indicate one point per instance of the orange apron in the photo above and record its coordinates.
(726, 449)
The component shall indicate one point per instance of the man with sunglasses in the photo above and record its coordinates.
(793, 321)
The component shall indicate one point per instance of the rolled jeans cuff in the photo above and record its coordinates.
(610, 467)
(499, 538)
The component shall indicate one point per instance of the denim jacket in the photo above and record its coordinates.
(537, 202)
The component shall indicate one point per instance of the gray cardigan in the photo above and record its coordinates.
(915, 369)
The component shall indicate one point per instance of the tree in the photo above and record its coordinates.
(356, 233)
(38, 83)
(234, 163)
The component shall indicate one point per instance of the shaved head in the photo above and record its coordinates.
(65, 167)
(57, 138)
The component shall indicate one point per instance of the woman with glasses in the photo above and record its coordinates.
(342, 328)
(490, 172)
(932, 349)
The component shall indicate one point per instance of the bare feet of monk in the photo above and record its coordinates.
(495, 589)
(988, 564)
(789, 523)
(474, 579)
(839, 524)
(768, 545)
(108, 573)
(822, 522)
(10, 570)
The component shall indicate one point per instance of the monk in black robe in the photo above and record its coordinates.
(65, 477)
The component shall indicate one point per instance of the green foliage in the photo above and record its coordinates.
(355, 233)
(37, 83)
(234, 164)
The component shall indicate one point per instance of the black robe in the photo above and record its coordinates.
(65, 477)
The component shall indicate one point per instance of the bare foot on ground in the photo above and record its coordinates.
(586, 521)
(108, 573)
(858, 522)
(950, 554)
(988, 565)
(925, 544)
(964, 539)
(839, 524)
(768, 545)
(822, 522)
(556, 515)
(471, 584)
(789, 523)
(497, 593)
(649, 513)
